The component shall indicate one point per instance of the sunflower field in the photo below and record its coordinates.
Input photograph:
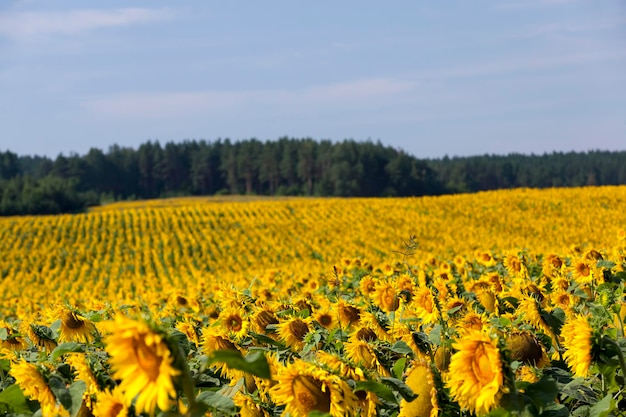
(503, 303)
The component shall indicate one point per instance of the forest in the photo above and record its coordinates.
(287, 166)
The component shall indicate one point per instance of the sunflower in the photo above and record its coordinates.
(79, 362)
(263, 318)
(34, 386)
(424, 304)
(475, 375)
(234, 322)
(110, 404)
(525, 347)
(360, 352)
(577, 335)
(303, 387)
(141, 359)
(386, 297)
(326, 318)
(514, 265)
(339, 366)
(41, 336)
(189, 327)
(348, 314)
(420, 380)
(583, 272)
(293, 331)
(218, 339)
(367, 285)
(74, 327)
(14, 341)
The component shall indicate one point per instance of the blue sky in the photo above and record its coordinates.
(433, 78)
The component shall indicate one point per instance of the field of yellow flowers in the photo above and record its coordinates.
(507, 303)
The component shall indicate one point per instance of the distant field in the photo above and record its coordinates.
(189, 260)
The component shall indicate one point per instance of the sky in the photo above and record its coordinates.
(433, 78)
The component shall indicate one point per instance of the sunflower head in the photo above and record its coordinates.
(524, 347)
(577, 336)
(386, 297)
(475, 376)
(293, 331)
(420, 380)
(74, 327)
(141, 359)
(303, 388)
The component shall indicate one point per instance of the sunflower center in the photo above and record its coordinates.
(481, 366)
(265, 318)
(115, 409)
(224, 344)
(148, 360)
(325, 320)
(365, 334)
(299, 329)
(308, 392)
(234, 323)
(71, 321)
(350, 314)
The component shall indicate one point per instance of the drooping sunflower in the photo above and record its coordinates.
(74, 327)
(420, 380)
(292, 332)
(525, 347)
(141, 359)
(14, 341)
(262, 318)
(41, 336)
(110, 404)
(475, 376)
(424, 305)
(386, 296)
(577, 340)
(303, 387)
(218, 339)
(84, 373)
(347, 313)
(361, 353)
(34, 386)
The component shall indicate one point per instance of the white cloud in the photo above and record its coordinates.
(180, 104)
(27, 24)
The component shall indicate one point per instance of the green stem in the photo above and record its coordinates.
(620, 355)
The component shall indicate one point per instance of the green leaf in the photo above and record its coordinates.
(604, 263)
(217, 401)
(543, 392)
(377, 388)
(3, 333)
(64, 348)
(399, 386)
(398, 368)
(60, 391)
(402, 348)
(603, 407)
(77, 389)
(255, 363)
(94, 316)
(555, 410)
(435, 335)
(12, 400)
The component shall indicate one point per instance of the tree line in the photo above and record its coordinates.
(287, 166)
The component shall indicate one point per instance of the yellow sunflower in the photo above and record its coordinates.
(577, 334)
(326, 318)
(348, 314)
(420, 380)
(78, 361)
(525, 347)
(34, 386)
(40, 335)
(386, 296)
(110, 404)
(293, 331)
(74, 327)
(218, 339)
(475, 375)
(141, 359)
(235, 322)
(361, 353)
(367, 285)
(303, 387)
(424, 305)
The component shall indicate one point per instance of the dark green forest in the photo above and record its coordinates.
(287, 166)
